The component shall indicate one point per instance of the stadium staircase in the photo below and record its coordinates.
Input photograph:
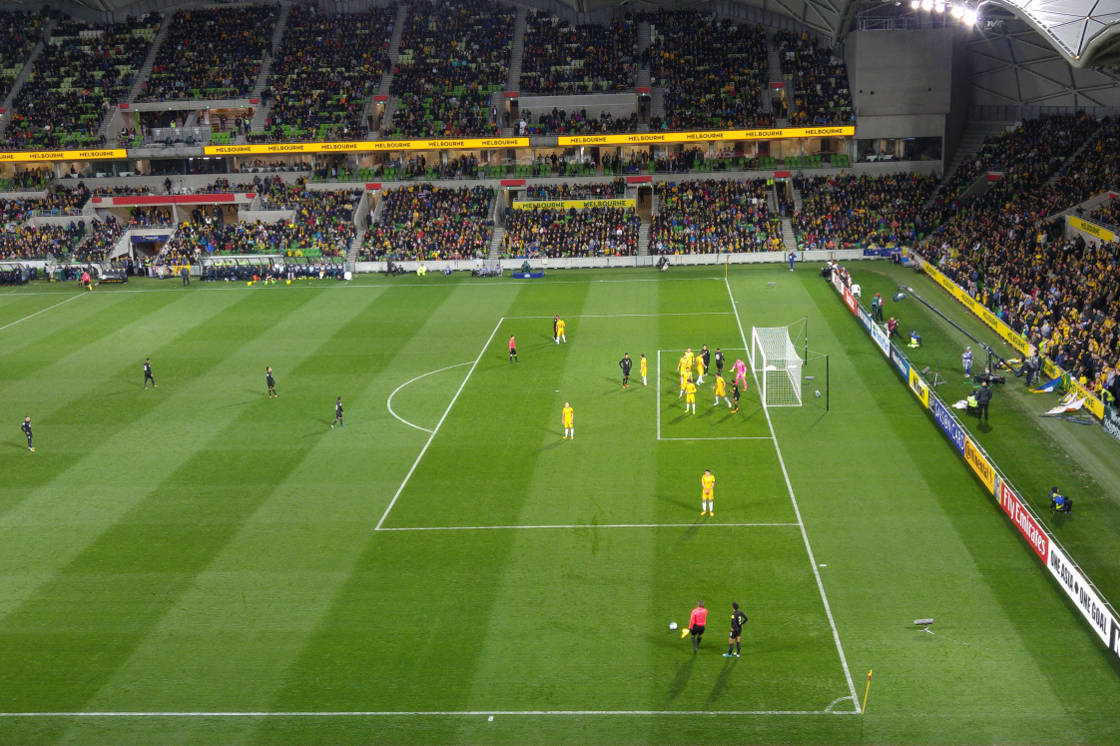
(496, 243)
(774, 63)
(25, 74)
(795, 195)
(971, 141)
(517, 49)
(260, 113)
(644, 40)
(150, 60)
(387, 79)
(657, 103)
(789, 238)
(643, 238)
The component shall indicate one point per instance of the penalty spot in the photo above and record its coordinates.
(490, 719)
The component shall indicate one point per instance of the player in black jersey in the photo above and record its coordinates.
(625, 363)
(734, 397)
(26, 428)
(738, 618)
(271, 383)
(338, 413)
(148, 374)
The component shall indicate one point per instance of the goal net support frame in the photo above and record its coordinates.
(777, 366)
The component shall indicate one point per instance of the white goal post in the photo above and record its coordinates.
(776, 366)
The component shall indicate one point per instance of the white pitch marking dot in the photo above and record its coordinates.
(490, 719)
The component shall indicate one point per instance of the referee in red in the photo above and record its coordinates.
(696, 625)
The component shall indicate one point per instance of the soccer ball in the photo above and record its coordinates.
(672, 625)
(817, 393)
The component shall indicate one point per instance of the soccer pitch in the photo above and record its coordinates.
(198, 563)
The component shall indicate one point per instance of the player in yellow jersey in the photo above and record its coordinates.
(690, 396)
(684, 367)
(643, 368)
(699, 370)
(568, 418)
(708, 493)
(721, 390)
(560, 325)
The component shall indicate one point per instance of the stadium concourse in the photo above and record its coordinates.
(224, 142)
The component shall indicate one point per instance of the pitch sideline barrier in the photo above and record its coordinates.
(1095, 610)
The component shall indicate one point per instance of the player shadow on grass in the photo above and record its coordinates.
(550, 445)
(680, 680)
(721, 682)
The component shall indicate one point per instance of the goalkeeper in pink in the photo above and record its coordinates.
(740, 369)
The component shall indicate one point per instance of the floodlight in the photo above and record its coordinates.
(927, 5)
(915, 4)
(957, 11)
(970, 17)
(938, 7)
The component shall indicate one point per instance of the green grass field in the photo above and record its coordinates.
(200, 564)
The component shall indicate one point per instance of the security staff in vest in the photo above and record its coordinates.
(983, 398)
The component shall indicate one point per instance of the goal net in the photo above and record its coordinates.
(777, 366)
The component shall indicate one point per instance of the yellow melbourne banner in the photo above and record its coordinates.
(570, 204)
(919, 387)
(654, 138)
(63, 155)
(1092, 403)
(1092, 229)
(367, 146)
(980, 465)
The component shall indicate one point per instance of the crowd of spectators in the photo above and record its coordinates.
(705, 217)
(820, 80)
(83, 70)
(1006, 251)
(22, 241)
(554, 192)
(146, 217)
(57, 201)
(19, 32)
(101, 239)
(713, 71)
(27, 180)
(211, 53)
(591, 231)
(326, 67)
(561, 59)
(430, 222)
(561, 122)
(850, 211)
(450, 63)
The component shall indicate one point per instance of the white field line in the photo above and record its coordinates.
(624, 315)
(797, 512)
(724, 437)
(591, 525)
(335, 285)
(657, 395)
(414, 713)
(439, 424)
(42, 310)
(389, 401)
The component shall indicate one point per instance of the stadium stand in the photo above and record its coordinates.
(562, 59)
(83, 70)
(100, 240)
(449, 65)
(211, 53)
(39, 241)
(593, 231)
(327, 65)
(431, 222)
(820, 80)
(861, 211)
(561, 122)
(713, 71)
(705, 217)
(19, 32)
(614, 189)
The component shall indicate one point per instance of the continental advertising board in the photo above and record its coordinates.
(947, 422)
(979, 463)
(919, 387)
(1085, 598)
(1024, 521)
(658, 138)
(368, 146)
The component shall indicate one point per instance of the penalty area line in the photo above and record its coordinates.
(415, 713)
(439, 424)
